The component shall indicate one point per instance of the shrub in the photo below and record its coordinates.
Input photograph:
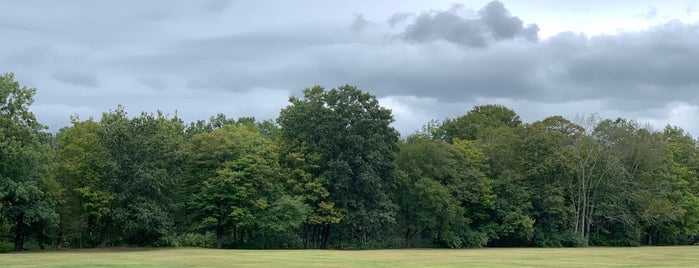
(6, 246)
(205, 240)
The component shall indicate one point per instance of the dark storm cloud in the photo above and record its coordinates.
(493, 23)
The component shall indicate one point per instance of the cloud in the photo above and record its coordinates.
(493, 23)
(651, 14)
(215, 5)
(152, 82)
(76, 78)
(504, 26)
(359, 23)
(426, 65)
(399, 17)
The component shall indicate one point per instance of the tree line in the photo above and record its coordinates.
(331, 172)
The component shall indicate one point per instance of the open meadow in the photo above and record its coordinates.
(687, 256)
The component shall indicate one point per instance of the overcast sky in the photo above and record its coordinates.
(425, 60)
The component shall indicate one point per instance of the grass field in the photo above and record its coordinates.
(687, 256)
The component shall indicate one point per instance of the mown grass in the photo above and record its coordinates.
(687, 256)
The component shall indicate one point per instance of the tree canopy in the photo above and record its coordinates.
(331, 172)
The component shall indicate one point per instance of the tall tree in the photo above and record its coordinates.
(146, 157)
(80, 170)
(443, 191)
(351, 134)
(23, 165)
(548, 169)
(683, 154)
(240, 185)
(299, 164)
(476, 122)
(627, 193)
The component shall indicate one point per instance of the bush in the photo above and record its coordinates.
(475, 239)
(188, 240)
(6, 246)
(571, 239)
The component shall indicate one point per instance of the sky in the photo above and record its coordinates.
(424, 60)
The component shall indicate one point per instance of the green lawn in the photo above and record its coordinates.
(687, 256)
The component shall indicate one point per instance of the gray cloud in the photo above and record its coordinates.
(493, 23)
(359, 23)
(215, 5)
(399, 17)
(504, 26)
(656, 64)
(152, 82)
(201, 58)
(76, 78)
(651, 14)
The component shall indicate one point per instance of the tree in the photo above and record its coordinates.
(298, 164)
(240, 185)
(628, 195)
(81, 163)
(145, 162)
(24, 164)
(683, 177)
(443, 191)
(351, 134)
(548, 169)
(474, 124)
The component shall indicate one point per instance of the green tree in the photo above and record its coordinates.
(442, 192)
(145, 162)
(241, 187)
(298, 164)
(632, 196)
(24, 158)
(548, 169)
(683, 177)
(355, 144)
(80, 170)
(474, 124)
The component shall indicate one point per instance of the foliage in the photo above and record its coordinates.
(25, 203)
(350, 135)
(331, 172)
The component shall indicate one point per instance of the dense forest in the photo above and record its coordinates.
(331, 172)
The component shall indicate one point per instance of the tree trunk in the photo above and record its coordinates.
(242, 237)
(105, 233)
(315, 236)
(408, 235)
(326, 237)
(234, 236)
(305, 236)
(59, 241)
(19, 234)
(219, 236)
(19, 241)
